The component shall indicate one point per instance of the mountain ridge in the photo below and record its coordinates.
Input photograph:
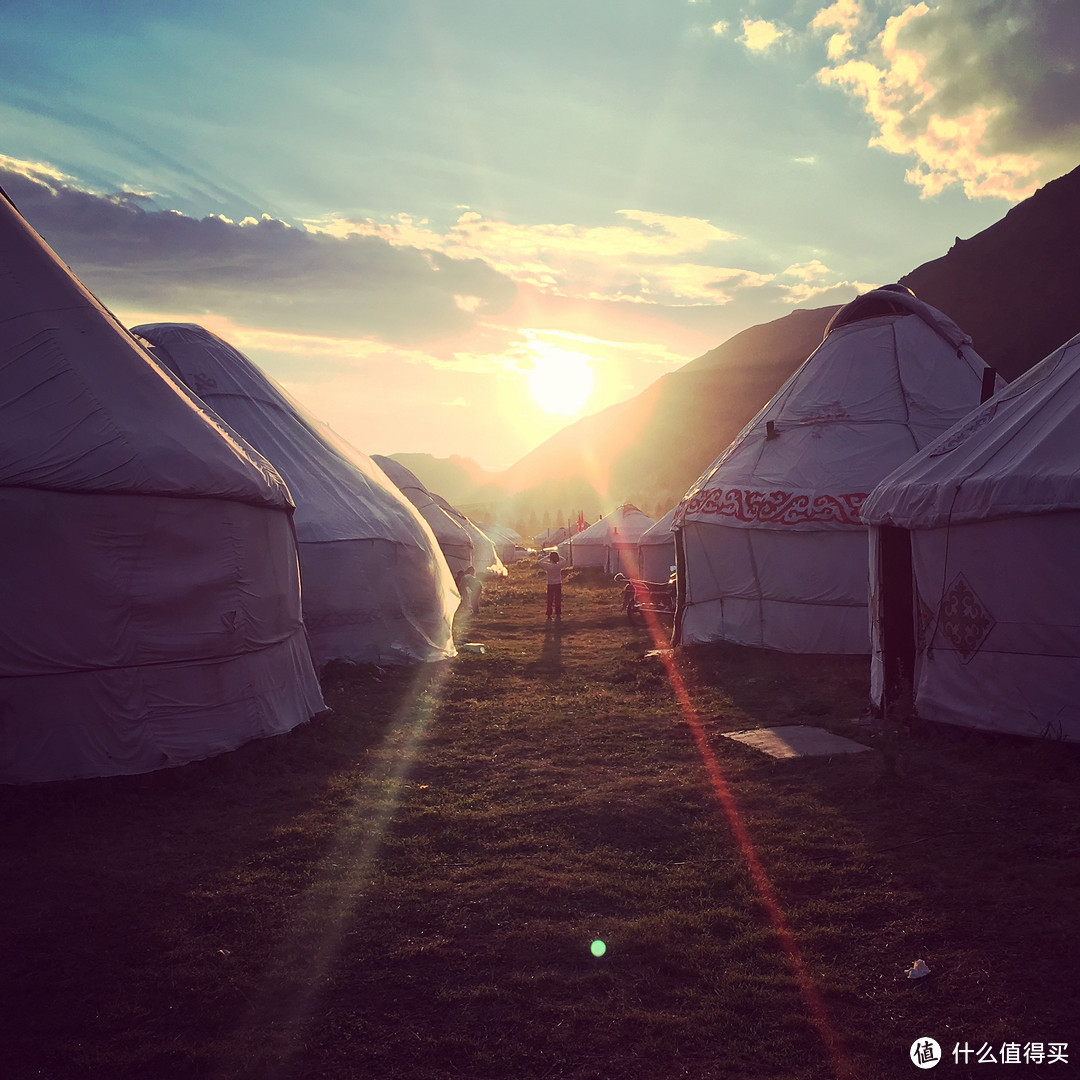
(1012, 287)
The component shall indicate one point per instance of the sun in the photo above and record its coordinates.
(560, 381)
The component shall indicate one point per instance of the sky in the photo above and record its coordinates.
(454, 226)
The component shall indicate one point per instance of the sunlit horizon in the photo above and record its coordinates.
(392, 225)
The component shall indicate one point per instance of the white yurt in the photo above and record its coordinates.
(375, 587)
(657, 548)
(486, 561)
(453, 540)
(611, 542)
(150, 605)
(976, 583)
(506, 541)
(551, 537)
(771, 550)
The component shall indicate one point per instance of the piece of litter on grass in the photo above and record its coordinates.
(918, 970)
(795, 740)
(473, 646)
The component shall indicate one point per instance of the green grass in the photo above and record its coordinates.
(408, 888)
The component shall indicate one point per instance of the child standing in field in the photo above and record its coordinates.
(553, 566)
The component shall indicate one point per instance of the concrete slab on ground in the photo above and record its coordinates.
(795, 740)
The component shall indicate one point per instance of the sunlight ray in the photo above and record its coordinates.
(282, 1012)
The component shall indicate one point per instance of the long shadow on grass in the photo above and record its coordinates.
(550, 662)
(147, 918)
(953, 847)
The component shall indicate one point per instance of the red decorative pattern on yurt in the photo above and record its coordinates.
(777, 507)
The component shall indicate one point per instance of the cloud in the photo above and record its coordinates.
(641, 261)
(980, 93)
(837, 292)
(402, 282)
(815, 281)
(261, 271)
(807, 271)
(760, 35)
(326, 307)
(843, 15)
(39, 171)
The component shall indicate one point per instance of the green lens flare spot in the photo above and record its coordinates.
(598, 948)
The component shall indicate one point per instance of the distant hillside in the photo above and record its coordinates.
(456, 479)
(647, 450)
(1014, 287)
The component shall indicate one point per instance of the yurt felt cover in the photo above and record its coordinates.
(505, 539)
(611, 542)
(657, 548)
(454, 541)
(992, 510)
(485, 557)
(150, 608)
(774, 547)
(374, 585)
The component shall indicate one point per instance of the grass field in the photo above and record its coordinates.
(410, 886)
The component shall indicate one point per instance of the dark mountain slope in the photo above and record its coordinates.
(1015, 287)
(647, 450)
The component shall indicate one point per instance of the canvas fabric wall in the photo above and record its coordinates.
(611, 542)
(998, 625)
(803, 592)
(454, 541)
(375, 587)
(144, 632)
(657, 549)
(992, 511)
(150, 612)
(793, 482)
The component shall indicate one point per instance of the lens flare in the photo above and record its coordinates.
(815, 1006)
(598, 948)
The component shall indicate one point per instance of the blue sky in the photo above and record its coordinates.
(438, 223)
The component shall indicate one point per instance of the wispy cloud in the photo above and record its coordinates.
(259, 272)
(40, 172)
(641, 261)
(813, 280)
(980, 93)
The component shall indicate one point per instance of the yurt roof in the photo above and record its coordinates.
(877, 390)
(116, 420)
(1019, 453)
(445, 527)
(484, 551)
(660, 532)
(630, 522)
(340, 493)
